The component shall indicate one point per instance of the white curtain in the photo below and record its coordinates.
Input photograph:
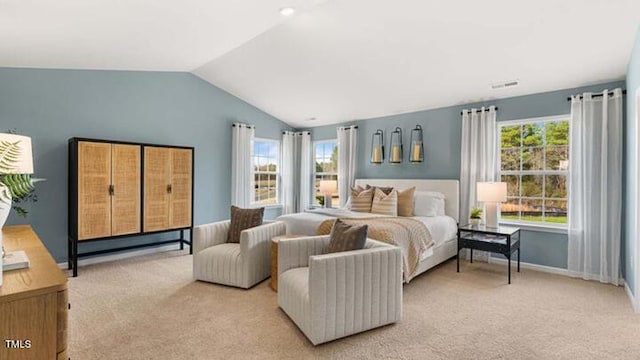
(241, 169)
(478, 158)
(347, 139)
(290, 152)
(595, 183)
(306, 171)
(296, 150)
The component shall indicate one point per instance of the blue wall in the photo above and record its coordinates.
(52, 106)
(631, 246)
(442, 132)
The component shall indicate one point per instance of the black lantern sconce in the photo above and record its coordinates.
(377, 147)
(395, 153)
(416, 156)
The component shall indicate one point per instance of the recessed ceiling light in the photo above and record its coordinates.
(287, 10)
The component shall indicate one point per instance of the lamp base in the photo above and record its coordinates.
(327, 201)
(491, 210)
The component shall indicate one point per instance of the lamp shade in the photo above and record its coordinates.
(491, 191)
(15, 154)
(328, 186)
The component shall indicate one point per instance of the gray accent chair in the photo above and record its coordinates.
(241, 265)
(330, 296)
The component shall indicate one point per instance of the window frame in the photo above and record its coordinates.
(278, 161)
(314, 173)
(524, 224)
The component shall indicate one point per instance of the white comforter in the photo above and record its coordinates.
(442, 228)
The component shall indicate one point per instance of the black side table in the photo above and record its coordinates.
(503, 240)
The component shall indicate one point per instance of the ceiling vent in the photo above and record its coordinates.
(505, 84)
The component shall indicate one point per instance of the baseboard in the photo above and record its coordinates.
(634, 303)
(122, 255)
(530, 266)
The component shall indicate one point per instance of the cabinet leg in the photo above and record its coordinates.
(69, 255)
(471, 256)
(75, 258)
(458, 261)
(191, 241)
(518, 259)
(181, 239)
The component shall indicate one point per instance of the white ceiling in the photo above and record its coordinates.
(335, 60)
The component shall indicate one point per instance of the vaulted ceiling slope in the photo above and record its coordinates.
(334, 60)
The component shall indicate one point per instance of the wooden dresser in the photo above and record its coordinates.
(33, 302)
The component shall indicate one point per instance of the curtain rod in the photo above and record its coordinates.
(297, 132)
(624, 92)
(347, 127)
(487, 109)
(245, 125)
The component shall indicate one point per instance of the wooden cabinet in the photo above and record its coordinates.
(108, 189)
(119, 189)
(168, 188)
(33, 302)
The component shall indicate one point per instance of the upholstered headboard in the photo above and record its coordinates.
(450, 189)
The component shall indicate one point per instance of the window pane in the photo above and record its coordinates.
(556, 186)
(531, 210)
(510, 136)
(532, 158)
(533, 134)
(532, 185)
(513, 184)
(558, 157)
(555, 211)
(510, 159)
(510, 209)
(557, 133)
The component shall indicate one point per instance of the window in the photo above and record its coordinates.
(534, 162)
(325, 154)
(265, 171)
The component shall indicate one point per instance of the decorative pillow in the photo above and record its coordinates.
(361, 200)
(405, 202)
(385, 204)
(242, 219)
(346, 237)
(385, 190)
(428, 203)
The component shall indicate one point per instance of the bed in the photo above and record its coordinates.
(443, 229)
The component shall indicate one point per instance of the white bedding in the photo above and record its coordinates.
(441, 228)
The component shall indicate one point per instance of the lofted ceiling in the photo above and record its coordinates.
(334, 60)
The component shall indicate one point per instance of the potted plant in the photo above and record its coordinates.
(475, 216)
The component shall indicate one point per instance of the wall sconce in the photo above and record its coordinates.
(417, 148)
(395, 155)
(377, 147)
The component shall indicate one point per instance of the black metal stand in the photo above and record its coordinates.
(73, 255)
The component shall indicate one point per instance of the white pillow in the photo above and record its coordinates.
(428, 203)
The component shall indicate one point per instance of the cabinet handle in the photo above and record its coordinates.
(69, 306)
(112, 190)
(169, 188)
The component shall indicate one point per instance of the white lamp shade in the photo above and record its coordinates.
(491, 191)
(17, 157)
(328, 186)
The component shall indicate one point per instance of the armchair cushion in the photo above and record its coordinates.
(242, 219)
(346, 237)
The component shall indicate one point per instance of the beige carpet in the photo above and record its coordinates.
(149, 308)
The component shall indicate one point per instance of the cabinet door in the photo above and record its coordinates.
(180, 202)
(125, 202)
(157, 167)
(94, 201)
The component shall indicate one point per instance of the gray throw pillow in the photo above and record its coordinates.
(346, 237)
(242, 219)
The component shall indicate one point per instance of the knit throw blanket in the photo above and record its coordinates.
(410, 235)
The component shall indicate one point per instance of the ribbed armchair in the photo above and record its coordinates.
(329, 296)
(241, 265)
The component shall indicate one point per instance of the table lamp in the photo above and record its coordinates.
(328, 188)
(15, 158)
(491, 194)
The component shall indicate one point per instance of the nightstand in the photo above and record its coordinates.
(503, 240)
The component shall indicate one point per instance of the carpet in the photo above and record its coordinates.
(150, 308)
